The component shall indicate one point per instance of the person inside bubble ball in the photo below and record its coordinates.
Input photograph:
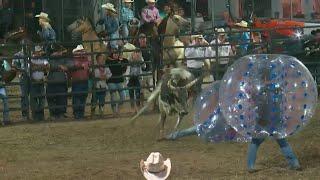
(269, 99)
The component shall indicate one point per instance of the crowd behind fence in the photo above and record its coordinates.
(20, 98)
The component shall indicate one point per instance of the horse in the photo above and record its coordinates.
(85, 28)
(173, 25)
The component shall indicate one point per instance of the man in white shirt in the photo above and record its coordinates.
(37, 93)
(194, 64)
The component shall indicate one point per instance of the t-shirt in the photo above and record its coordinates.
(38, 75)
(98, 72)
(117, 68)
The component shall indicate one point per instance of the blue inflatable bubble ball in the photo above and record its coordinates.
(216, 130)
(268, 95)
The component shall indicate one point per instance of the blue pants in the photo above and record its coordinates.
(114, 43)
(285, 149)
(124, 30)
(116, 87)
(4, 99)
(79, 98)
(99, 97)
(134, 93)
(25, 92)
(37, 100)
(57, 99)
(183, 133)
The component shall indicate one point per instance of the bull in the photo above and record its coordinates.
(172, 94)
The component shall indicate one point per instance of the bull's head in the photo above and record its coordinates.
(180, 94)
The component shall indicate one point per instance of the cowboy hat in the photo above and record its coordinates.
(109, 7)
(221, 31)
(128, 1)
(155, 167)
(43, 15)
(198, 36)
(151, 1)
(314, 32)
(78, 48)
(242, 24)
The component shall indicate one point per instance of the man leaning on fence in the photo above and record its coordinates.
(39, 65)
(57, 87)
(20, 62)
(5, 67)
(80, 77)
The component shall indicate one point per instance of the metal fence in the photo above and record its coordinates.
(270, 44)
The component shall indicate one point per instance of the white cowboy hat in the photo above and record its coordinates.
(151, 1)
(198, 36)
(78, 48)
(110, 7)
(221, 31)
(242, 24)
(128, 1)
(155, 168)
(43, 15)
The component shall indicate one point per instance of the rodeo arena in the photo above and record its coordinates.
(159, 89)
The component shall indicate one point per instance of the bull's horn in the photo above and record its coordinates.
(191, 83)
(171, 86)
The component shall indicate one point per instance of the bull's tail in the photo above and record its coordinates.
(152, 98)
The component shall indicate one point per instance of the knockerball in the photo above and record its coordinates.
(268, 95)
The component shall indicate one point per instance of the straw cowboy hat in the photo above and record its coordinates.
(151, 1)
(78, 48)
(43, 15)
(155, 167)
(109, 7)
(242, 24)
(128, 1)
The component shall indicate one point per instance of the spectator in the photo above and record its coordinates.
(166, 10)
(111, 24)
(39, 66)
(101, 74)
(57, 87)
(47, 34)
(135, 71)
(257, 46)
(244, 40)
(150, 14)
(5, 67)
(127, 15)
(20, 62)
(195, 66)
(80, 77)
(222, 47)
(117, 66)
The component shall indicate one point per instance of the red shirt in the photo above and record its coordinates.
(83, 63)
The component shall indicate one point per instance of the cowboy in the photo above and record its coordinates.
(126, 16)
(5, 67)
(38, 67)
(48, 35)
(111, 23)
(57, 87)
(80, 77)
(155, 167)
(150, 14)
(244, 39)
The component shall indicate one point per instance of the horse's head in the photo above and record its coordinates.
(180, 22)
(80, 26)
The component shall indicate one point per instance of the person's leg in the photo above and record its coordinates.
(131, 92)
(41, 101)
(114, 43)
(183, 133)
(61, 102)
(25, 89)
(289, 154)
(4, 98)
(252, 153)
(125, 31)
(122, 95)
(33, 101)
(112, 89)
(75, 100)
(51, 99)
(93, 96)
(138, 92)
(83, 99)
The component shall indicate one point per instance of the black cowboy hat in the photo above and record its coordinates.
(314, 32)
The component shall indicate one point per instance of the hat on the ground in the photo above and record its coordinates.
(110, 7)
(78, 48)
(128, 1)
(242, 24)
(151, 1)
(155, 167)
(314, 32)
(43, 15)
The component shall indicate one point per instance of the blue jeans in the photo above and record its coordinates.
(37, 100)
(57, 103)
(183, 133)
(79, 98)
(4, 99)
(285, 149)
(114, 43)
(134, 93)
(25, 91)
(124, 30)
(100, 97)
(116, 87)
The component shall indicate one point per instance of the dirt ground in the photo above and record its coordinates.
(111, 149)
